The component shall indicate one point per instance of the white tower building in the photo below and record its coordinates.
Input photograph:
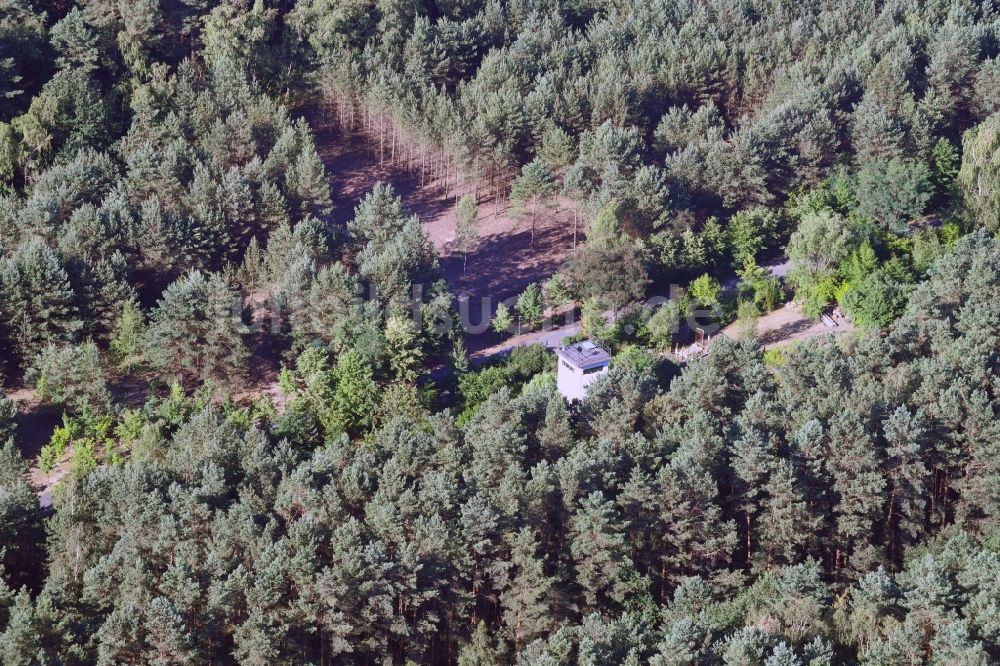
(579, 365)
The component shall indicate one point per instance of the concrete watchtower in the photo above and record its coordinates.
(580, 364)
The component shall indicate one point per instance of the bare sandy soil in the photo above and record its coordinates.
(35, 421)
(784, 325)
(505, 260)
(787, 324)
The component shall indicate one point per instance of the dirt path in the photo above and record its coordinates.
(776, 328)
(551, 339)
(787, 324)
(35, 423)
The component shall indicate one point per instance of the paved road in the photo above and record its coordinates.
(550, 338)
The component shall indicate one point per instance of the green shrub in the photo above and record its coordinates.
(526, 362)
(475, 387)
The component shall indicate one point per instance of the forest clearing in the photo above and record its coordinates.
(505, 259)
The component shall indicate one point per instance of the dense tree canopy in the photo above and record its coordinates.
(786, 523)
(274, 447)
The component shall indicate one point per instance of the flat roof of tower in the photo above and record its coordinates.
(584, 354)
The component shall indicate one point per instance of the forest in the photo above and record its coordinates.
(244, 420)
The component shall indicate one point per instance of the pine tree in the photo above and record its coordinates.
(251, 270)
(695, 538)
(197, 330)
(8, 416)
(530, 306)
(945, 163)
(749, 233)
(72, 377)
(527, 608)
(459, 356)
(600, 555)
(22, 527)
(555, 435)
(952, 644)
(752, 462)
(167, 638)
(466, 227)
(686, 641)
(357, 593)
(330, 310)
(873, 601)
(355, 397)
(876, 132)
(860, 485)
(533, 189)
(402, 347)
(21, 641)
(308, 185)
(102, 290)
(893, 192)
(126, 337)
(497, 441)
(480, 651)
(786, 525)
(979, 506)
(749, 645)
(783, 655)
(907, 476)
(557, 149)
(502, 321)
(38, 306)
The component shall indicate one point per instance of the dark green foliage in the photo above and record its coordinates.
(37, 304)
(521, 366)
(845, 510)
(750, 233)
(72, 377)
(21, 526)
(876, 302)
(816, 249)
(555, 434)
(945, 163)
(612, 277)
(530, 306)
(836, 504)
(394, 253)
(197, 331)
(8, 415)
(25, 57)
(527, 600)
(600, 555)
(893, 192)
(355, 394)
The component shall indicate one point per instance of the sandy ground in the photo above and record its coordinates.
(784, 325)
(35, 423)
(505, 260)
(45, 484)
(787, 324)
